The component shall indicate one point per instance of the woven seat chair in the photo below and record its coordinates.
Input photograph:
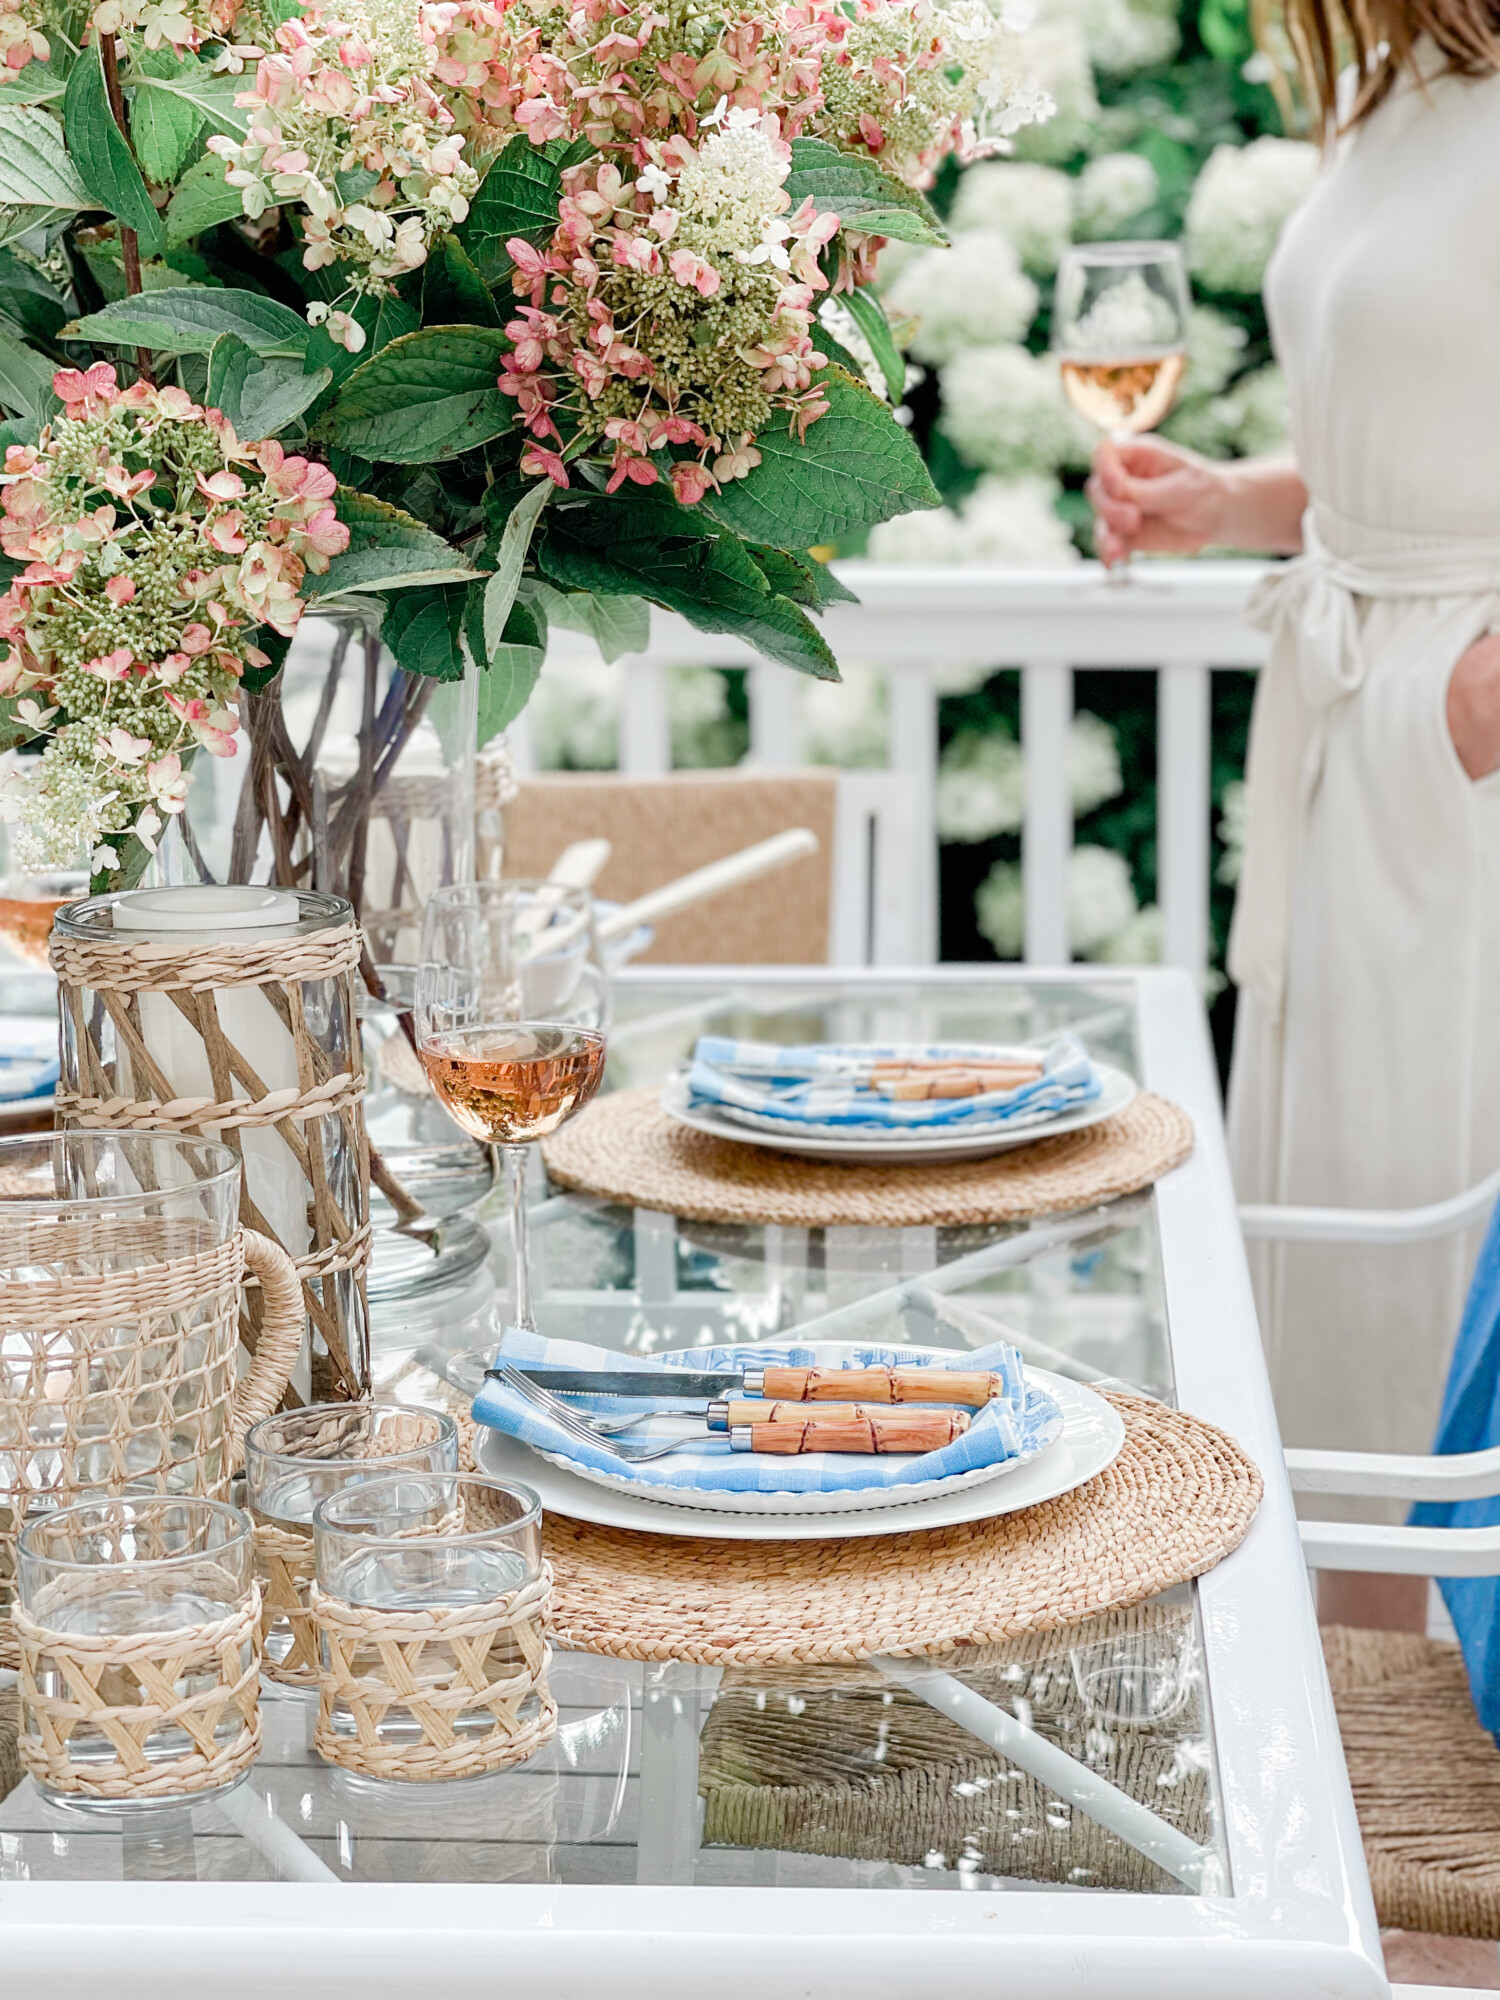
(850, 903)
(834, 1761)
(1426, 1780)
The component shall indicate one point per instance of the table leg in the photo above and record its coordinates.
(158, 1846)
(1198, 1867)
(670, 1816)
(250, 1815)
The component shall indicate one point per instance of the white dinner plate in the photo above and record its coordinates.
(1091, 1439)
(887, 1149)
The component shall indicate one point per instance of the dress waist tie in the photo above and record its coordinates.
(1311, 608)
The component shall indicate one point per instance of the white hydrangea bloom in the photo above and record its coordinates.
(973, 292)
(1000, 910)
(1248, 420)
(1110, 192)
(1123, 35)
(1030, 204)
(981, 786)
(575, 716)
(1265, 420)
(1205, 424)
(843, 722)
(1139, 943)
(1104, 922)
(933, 535)
(1057, 55)
(1093, 763)
(1239, 205)
(1101, 900)
(1215, 349)
(1004, 522)
(1004, 410)
(1014, 522)
(1234, 827)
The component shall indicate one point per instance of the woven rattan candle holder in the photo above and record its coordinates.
(121, 1263)
(250, 1037)
(431, 1605)
(299, 1457)
(123, 1705)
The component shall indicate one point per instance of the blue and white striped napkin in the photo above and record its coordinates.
(1016, 1425)
(820, 1084)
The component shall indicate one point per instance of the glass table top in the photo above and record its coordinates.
(799, 1776)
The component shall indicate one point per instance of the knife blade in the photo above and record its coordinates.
(778, 1382)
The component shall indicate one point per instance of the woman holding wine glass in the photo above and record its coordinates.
(1366, 941)
(511, 1018)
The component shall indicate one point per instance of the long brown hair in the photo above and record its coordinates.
(1378, 38)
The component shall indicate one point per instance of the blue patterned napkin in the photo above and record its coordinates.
(1018, 1424)
(28, 1055)
(819, 1084)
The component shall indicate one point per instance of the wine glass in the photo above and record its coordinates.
(511, 1015)
(1119, 331)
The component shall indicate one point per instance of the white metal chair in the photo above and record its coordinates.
(1454, 1882)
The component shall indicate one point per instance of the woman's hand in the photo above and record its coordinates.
(1474, 707)
(1155, 496)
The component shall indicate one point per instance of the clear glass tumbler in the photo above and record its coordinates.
(94, 1402)
(139, 1663)
(419, 1542)
(296, 1458)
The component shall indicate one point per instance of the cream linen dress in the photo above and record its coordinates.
(1367, 937)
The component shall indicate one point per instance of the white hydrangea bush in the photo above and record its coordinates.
(1240, 204)
(973, 291)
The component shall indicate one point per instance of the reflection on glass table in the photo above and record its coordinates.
(827, 1777)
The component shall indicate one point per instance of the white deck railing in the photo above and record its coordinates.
(1179, 619)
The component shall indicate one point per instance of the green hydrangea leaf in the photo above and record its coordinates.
(857, 466)
(426, 396)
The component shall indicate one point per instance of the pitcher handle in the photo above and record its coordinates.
(260, 1388)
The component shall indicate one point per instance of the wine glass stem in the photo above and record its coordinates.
(1117, 576)
(520, 1238)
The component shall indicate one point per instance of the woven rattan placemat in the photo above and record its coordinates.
(625, 1147)
(1177, 1499)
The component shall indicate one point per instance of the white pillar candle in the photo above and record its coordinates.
(208, 914)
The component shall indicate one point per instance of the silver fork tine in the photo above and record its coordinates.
(628, 1451)
(543, 1398)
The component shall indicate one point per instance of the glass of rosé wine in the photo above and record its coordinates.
(1119, 331)
(511, 1014)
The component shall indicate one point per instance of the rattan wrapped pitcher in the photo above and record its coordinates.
(121, 1262)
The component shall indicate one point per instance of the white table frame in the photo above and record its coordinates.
(1300, 1920)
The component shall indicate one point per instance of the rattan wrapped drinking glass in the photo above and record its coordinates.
(430, 1604)
(293, 1460)
(121, 1264)
(138, 1625)
(230, 1011)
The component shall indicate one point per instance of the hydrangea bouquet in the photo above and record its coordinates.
(445, 317)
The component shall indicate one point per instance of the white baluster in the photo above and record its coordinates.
(1047, 836)
(1183, 757)
(645, 731)
(912, 734)
(775, 716)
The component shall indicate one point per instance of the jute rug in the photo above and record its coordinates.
(1426, 1780)
(1177, 1500)
(626, 1148)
